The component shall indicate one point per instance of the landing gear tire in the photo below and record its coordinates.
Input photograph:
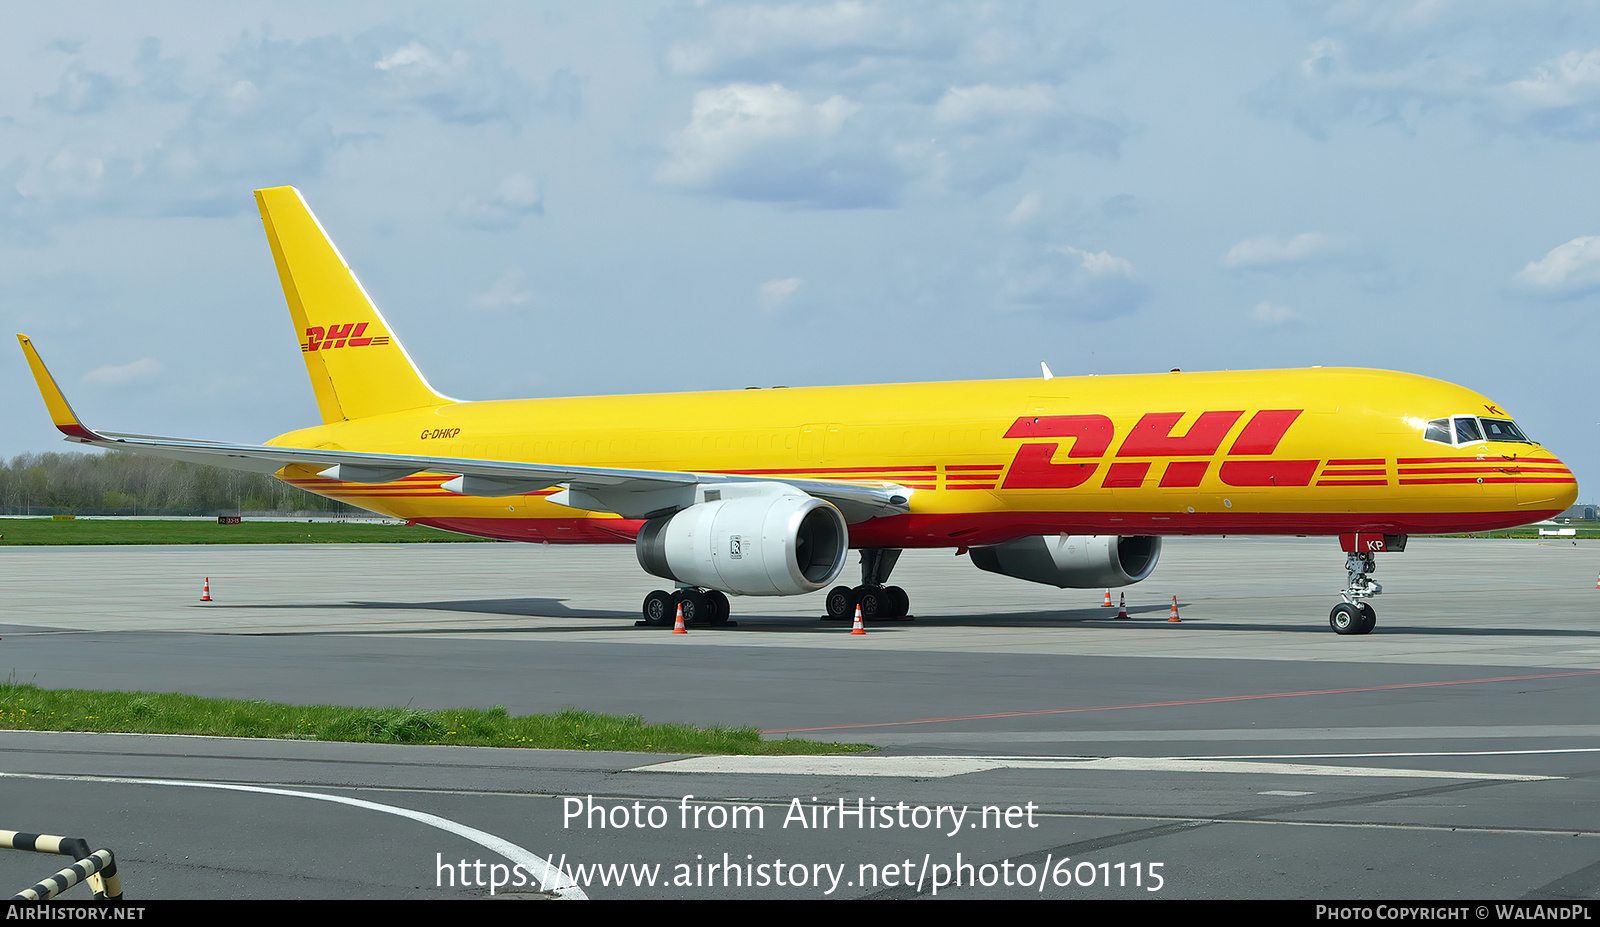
(899, 602)
(873, 604)
(1345, 619)
(696, 608)
(659, 608)
(1369, 619)
(718, 607)
(841, 603)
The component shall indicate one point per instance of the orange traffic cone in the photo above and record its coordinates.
(1107, 602)
(678, 628)
(859, 628)
(205, 591)
(1174, 617)
(1122, 605)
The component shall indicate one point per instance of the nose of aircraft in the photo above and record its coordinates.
(1545, 486)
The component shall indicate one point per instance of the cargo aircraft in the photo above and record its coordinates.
(1068, 481)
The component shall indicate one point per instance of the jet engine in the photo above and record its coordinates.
(781, 542)
(1075, 561)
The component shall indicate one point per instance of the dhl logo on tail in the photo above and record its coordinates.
(324, 338)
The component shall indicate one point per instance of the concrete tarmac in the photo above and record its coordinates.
(1246, 751)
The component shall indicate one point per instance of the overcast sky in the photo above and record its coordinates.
(576, 198)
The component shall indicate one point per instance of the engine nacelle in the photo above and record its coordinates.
(771, 540)
(1072, 562)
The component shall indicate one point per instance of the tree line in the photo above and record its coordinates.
(130, 484)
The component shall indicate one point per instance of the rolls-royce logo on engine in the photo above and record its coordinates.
(734, 542)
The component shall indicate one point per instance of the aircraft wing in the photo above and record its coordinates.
(630, 493)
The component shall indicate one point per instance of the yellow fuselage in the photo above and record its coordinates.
(1318, 451)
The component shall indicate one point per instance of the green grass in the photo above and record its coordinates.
(30, 708)
(35, 531)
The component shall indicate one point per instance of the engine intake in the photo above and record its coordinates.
(778, 541)
(1072, 562)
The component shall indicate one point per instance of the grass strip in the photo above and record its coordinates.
(27, 707)
(45, 531)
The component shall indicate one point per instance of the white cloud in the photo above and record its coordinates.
(1273, 252)
(261, 111)
(68, 174)
(996, 129)
(506, 292)
(1561, 98)
(1508, 71)
(518, 195)
(81, 91)
(910, 47)
(1270, 316)
(1100, 263)
(1572, 79)
(1572, 269)
(729, 124)
(953, 94)
(741, 35)
(1026, 210)
(1089, 285)
(125, 375)
(766, 142)
(1396, 18)
(774, 295)
(984, 104)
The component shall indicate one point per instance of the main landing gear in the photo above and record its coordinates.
(877, 600)
(700, 606)
(1354, 615)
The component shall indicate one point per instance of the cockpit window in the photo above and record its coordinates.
(1468, 429)
(1499, 429)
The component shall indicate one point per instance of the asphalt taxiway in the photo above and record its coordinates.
(1247, 750)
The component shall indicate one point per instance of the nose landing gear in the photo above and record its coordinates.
(1354, 615)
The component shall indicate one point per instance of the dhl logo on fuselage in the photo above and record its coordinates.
(319, 338)
(1034, 465)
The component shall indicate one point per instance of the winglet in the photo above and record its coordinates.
(60, 410)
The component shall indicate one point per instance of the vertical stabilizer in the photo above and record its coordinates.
(357, 366)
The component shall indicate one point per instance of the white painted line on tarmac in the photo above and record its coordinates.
(938, 767)
(551, 878)
(1549, 751)
(1198, 765)
(915, 767)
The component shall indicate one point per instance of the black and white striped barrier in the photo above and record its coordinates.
(98, 868)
